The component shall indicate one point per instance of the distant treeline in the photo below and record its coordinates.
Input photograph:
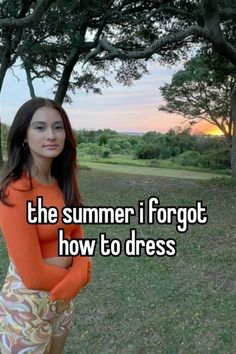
(180, 146)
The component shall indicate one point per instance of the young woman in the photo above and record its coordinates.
(37, 297)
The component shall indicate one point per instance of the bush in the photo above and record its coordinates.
(216, 159)
(92, 149)
(115, 148)
(165, 152)
(105, 153)
(147, 151)
(188, 158)
(205, 143)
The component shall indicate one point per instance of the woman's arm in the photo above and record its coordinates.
(79, 274)
(23, 245)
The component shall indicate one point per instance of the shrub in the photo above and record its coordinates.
(216, 159)
(115, 148)
(188, 158)
(105, 153)
(147, 151)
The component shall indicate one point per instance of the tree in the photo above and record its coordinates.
(14, 17)
(202, 91)
(174, 27)
(1, 157)
(131, 33)
(23, 19)
(56, 48)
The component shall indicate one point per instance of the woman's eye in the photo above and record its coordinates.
(42, 128)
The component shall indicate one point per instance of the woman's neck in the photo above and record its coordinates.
(42, 172)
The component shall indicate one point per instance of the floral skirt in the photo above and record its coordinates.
(28, 318)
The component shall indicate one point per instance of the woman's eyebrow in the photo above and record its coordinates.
(42, 122)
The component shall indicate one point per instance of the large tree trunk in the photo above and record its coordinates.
(69, 67)
(3, 71)
(4, 65)
(233, 148)
(65, 77)
(1, 158)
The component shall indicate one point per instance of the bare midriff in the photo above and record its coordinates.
(63, 262)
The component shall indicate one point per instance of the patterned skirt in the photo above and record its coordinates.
(28, 318)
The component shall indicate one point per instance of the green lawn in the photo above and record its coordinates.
(154, 167)
(129, 160)
(148, 171)
(180, 305)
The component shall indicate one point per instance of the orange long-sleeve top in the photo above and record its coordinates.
(28, 244)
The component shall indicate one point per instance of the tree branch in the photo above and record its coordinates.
(29, 79)
(40, 8)
(114, 52)
(216, 37)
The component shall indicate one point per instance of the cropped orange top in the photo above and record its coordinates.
(28, 244)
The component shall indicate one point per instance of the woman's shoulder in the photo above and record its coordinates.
(21, 184)
(15, 192)
(26, 188)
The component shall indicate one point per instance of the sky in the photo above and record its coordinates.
(120, 108)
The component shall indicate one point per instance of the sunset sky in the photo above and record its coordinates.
(124, 109)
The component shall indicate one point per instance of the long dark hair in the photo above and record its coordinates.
(64, 166)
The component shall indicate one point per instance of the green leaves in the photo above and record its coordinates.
(202, 90)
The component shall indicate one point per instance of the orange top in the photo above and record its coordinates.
(28, 244)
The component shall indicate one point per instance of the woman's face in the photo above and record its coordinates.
(46, 133)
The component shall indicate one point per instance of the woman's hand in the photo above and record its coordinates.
(79, 275)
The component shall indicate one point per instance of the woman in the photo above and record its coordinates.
(36, 300)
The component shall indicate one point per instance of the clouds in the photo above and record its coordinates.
(126, 108)
(121, 108)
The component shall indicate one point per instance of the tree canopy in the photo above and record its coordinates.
(202, 90)
(73, 42)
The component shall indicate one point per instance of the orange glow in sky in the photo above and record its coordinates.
(204, 127)
(120, 108)
(214, 131)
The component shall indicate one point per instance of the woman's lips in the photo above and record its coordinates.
(51, 146)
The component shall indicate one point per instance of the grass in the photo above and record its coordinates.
(144, 170)
(179, 305)
(130, 161)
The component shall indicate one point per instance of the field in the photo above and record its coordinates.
(149, 171)
(129, 160)
(169, 305)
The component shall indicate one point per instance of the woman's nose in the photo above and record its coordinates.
(50, 134)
